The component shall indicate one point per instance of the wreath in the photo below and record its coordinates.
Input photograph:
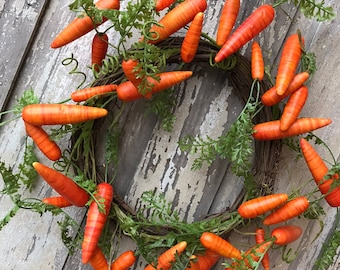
(162, 228)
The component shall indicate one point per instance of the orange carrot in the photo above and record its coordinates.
(162, 4)
(289, 210)
(42, 140)
(96, 220)
(227, 20)
(271, 130)
(259, 239)
(100, 44)
(130, 70)
(251, 255)
(177, 18)
(62, 184)
(193, 263)
(319, 170)
(293, 107)
(166, 259)
(207, 260)
(250, 28)
(87, 93)
(192, 39)
(219, 245)
(286, 234)
(257, 63)
(126, 91)
(58, 201)
(124, 261)
(258, 206)
(290, 58)
(270, 97)
(82, 25)
(98, 260)
(60, 114)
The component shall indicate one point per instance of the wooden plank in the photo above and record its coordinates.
(18, 23)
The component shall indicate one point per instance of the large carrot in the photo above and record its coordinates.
(62, 184)
(126, 91)
(291, 209)
(227, 20)
(271, 130)
(319, 170)
(289, 61)
(192, 39)
(177, 18)
(286, 234)
(82, 25)
(96, 219)
(250, 28)
(259, 239)
(100, 44)
(98, 260)
(124, 261)
(293, 107)
(60, 114)
(87, 93)
(42, 140)
(270, 97)
(258, 206)
(219, 245)
(257, 63)
(57, 201)
(162, 4)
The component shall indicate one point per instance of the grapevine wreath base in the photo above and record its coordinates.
(237, 71)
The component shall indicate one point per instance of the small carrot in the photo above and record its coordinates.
(271, 130)
(270, 97)
(57, 201)
(289, 61)
(219, 245)
(124, 261)
(126, 91)
(163, 4)
(293, 107)
(192, 38)
(257, 63)
(319, 170)
(260, 205)
(62, 184)
(96, 220)
(166, 259)
(259, 239)
(42, 140)
(176, 18)
(291, 209)
(227, 20)
(100, 44)
(60, 114)
(130, 69)
(286, 234)
(98, 260)
(251, 255)
(87, 93)
(250, 28)
(193, 263)
(82, 25)
(207, 260)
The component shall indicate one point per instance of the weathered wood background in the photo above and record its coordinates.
(206, 107)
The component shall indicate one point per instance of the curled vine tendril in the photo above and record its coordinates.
(69, 61)
(146, 30)
(109, 65)
(227, 64)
